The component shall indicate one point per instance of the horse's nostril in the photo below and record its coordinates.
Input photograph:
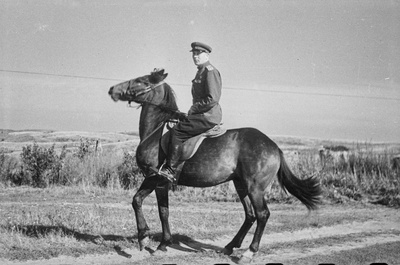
(110, 91)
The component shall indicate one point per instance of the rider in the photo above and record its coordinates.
(203, 115)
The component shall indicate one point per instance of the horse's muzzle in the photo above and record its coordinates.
(112, 94)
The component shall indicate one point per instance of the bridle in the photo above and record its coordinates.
(146, 90)
(142, 91)
(143, 101)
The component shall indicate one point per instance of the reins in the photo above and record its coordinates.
(147, 90)
(155, 130)
(143, 91)
(146, 101)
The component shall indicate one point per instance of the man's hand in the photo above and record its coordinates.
(181, 116)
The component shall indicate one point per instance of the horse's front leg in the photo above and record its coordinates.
(145, 189)
(162, 201)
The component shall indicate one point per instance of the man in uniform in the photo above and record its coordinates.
(204, 113)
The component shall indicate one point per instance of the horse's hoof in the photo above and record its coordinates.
(144, 242)
(246, 257)
(225, 251)
(158, 253)
(162, 248)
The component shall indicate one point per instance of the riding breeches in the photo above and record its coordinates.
(191, 127)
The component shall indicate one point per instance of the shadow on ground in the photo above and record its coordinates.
(180, 242)
(45, 230)
(187, 244)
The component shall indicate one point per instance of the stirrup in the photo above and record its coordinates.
(165, 172)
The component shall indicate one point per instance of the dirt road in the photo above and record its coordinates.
(335, 234)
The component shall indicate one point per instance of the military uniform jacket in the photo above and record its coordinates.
(206, 92)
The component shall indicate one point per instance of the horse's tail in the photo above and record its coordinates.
(308, 190)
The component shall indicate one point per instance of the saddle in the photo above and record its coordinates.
(190, 146)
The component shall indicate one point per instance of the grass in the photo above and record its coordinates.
(368, 176)
(368, 255)
(87, 209)
(49, 228)
(333, 240)
(45, 223)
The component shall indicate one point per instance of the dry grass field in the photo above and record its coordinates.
(82, 223)
(74, 226)
(13, 141)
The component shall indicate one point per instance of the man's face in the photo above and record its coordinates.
(199, 57)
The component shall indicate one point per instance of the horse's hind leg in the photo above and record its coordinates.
(145, 189)
(249, 218)
(258, 200)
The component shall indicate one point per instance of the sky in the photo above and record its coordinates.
(305, 68)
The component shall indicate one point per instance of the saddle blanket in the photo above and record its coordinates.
(190, 147)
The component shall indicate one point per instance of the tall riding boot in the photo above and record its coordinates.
(168, 170)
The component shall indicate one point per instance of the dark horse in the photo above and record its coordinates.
(245, 155)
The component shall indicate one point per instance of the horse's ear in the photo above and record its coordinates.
(158, 71)
(157, 75)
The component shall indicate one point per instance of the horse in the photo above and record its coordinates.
(245, 156)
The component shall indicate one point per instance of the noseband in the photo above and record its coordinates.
(142, 91)
(146, 90)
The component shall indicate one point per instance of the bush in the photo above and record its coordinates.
(128, 172)
(369, 175)
(102, 169)
(83, 149)
(11, 172)
(40, 167)
(92, 170)
(70, 173)
(42, 164)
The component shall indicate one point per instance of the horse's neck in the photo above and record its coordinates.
(151, 117)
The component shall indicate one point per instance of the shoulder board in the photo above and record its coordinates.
(210, 67)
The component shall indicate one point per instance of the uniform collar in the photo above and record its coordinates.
(202, 66)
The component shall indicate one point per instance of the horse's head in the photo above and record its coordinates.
(135, 89)
(130, 90)
(156, 98)
(149, 89)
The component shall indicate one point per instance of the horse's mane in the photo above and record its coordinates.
(169, 100)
